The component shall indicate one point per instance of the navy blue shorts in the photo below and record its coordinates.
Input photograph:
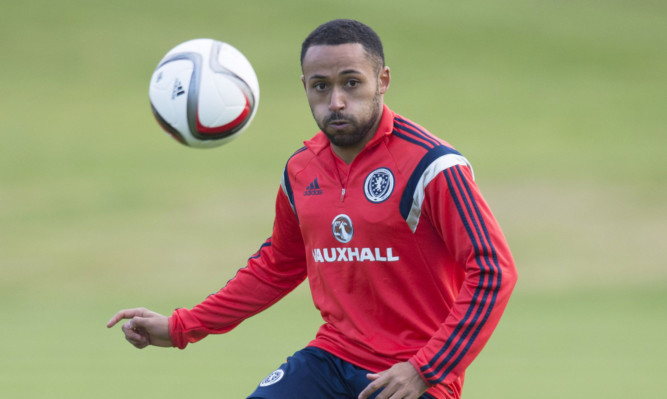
(314, 373)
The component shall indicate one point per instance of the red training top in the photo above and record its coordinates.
(405, 260)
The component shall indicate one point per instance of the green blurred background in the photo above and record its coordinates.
(560, 106)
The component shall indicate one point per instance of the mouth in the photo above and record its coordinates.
(339, 123)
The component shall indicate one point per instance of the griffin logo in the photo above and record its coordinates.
(342, 229)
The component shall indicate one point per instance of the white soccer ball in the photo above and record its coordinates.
(204, 93)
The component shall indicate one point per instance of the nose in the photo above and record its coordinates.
(337, 101)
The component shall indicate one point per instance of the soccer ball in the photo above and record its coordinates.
(204, 93)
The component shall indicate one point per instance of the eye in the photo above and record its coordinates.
(353, 83)
(320, 86)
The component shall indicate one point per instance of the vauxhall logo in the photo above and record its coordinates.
(343, 231)
(354, 255)
(341, 227)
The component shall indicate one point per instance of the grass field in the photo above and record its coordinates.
(560, 106)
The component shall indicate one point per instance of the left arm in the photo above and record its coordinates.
(457, 211)
(463, 219)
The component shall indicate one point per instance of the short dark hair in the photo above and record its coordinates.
(343, 31)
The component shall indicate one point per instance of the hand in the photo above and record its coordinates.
(143, 328)
(401, 381)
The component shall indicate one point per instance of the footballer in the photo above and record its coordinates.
(405, 261)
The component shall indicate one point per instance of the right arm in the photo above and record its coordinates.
(275, 270)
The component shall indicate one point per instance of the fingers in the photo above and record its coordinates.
(401, 381)
(136, 334)
(134, 331)
(143, 328)
(126, 314)
(373, 386)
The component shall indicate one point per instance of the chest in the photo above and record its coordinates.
(353, 205)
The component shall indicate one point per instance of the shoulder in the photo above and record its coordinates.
(298, 154)
(416, 149)
(298, 161)
(422, 157)
(414, 137)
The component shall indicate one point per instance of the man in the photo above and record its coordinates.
(405, 261)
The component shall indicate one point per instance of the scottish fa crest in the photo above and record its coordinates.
(379, 185)
(272, 378)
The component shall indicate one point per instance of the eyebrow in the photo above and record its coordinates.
(345, 72)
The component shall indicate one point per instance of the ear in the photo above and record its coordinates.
(384, 80)
(303, 80)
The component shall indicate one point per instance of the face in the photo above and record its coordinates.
(345, 92)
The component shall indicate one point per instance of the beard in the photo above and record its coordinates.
(356, 130)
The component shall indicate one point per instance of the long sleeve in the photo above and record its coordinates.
(464, 221)
(276, 269)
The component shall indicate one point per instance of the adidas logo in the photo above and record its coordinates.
(313, 188)
(177, 90)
